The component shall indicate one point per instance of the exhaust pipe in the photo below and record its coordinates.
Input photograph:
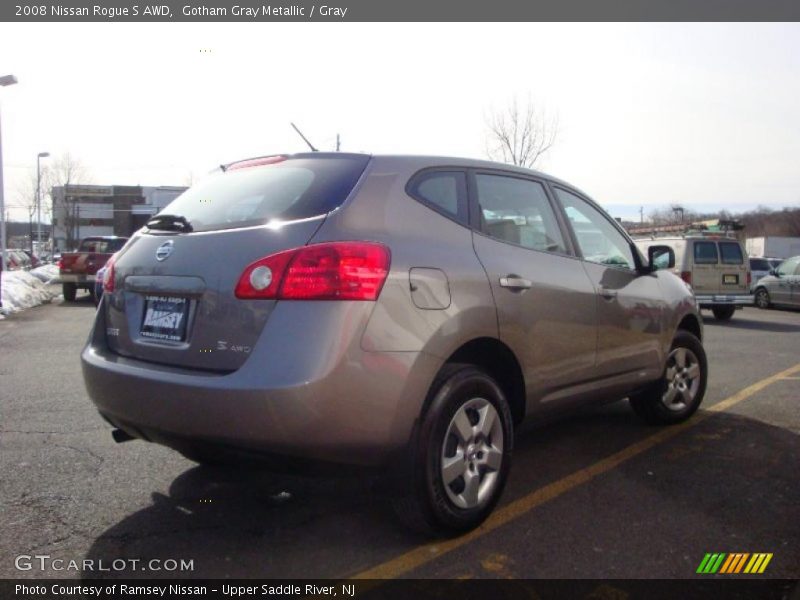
(121, 436)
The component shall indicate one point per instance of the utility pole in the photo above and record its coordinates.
(5, 80)
(39, 158)
(337, 142)
(641, 214)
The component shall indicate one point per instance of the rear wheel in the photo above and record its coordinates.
(459, 460)
(762, 298)
(69, 290)
(677, 395)
(723, 313)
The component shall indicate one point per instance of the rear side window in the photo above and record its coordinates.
(759, 264)
(705, 253)
(518, 211)
(731, 253)
(444, 191)
(295, 188)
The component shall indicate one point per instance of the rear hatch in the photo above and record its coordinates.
(174, 301)
(719, 267)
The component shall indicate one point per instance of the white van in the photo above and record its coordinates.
(714, 265)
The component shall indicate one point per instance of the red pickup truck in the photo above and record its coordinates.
(78, 269)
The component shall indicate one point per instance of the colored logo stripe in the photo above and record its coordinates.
(720, 562)
(734, 563)
(711, 563)
(758, 563)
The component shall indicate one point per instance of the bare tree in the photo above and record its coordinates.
(64, 170)
(520, 133)
(26, 193)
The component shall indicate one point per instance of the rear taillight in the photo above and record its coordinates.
(749, 278)
(687, 276)
(108, 276)
(329, 271)
(60, 264)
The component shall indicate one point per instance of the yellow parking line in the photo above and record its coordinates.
(426, 553)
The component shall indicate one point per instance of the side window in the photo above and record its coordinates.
(446, 191)
(599, 240)
(731, 253)
(517, 210)
(705, 253)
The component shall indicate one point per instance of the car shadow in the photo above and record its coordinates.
(248, 523)
(242, 522)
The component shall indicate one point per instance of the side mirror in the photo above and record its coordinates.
(660, 257)
(774, 272)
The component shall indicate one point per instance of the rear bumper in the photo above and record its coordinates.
(725, 299)
(350, 406)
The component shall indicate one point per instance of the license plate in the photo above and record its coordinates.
(734, 279)
(165, 318)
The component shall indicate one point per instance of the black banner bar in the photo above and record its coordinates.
(400, 10)
(717, 588)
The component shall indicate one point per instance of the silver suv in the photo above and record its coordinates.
(394, 311)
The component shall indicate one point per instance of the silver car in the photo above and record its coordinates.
(397, 312)
(781, 287)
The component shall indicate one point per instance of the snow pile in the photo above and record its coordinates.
(45, 273)
(22, 290)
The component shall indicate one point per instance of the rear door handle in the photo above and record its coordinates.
(607, 293)
(515, 283)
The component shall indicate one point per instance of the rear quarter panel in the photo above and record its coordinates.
(418, 237)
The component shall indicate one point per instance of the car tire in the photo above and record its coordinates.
(69, 290)
(458, 461)
(763, 300)
(723, 313)
(678, 394)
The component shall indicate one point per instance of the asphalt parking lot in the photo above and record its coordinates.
(598, 495)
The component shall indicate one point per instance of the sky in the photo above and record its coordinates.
(702, 115)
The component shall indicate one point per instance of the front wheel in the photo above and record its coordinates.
(461, 454)
(762, 298)
(723, 313)
(678, 394)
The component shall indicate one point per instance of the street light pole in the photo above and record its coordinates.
(39, 157)
(5, 80)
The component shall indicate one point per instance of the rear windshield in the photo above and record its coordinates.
(102, 246)
(705, 253)
(731, 253)
(759, 264)
(296, 188)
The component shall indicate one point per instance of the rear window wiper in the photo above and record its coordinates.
(170, 223)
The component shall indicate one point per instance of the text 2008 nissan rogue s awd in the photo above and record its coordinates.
(377, 310)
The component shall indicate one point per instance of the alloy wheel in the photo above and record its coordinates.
(682, 378)
(472, 454)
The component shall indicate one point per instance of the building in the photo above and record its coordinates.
(81, 211)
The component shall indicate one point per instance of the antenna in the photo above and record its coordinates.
(300, 133)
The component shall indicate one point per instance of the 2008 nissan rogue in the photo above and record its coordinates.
(386, 310)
